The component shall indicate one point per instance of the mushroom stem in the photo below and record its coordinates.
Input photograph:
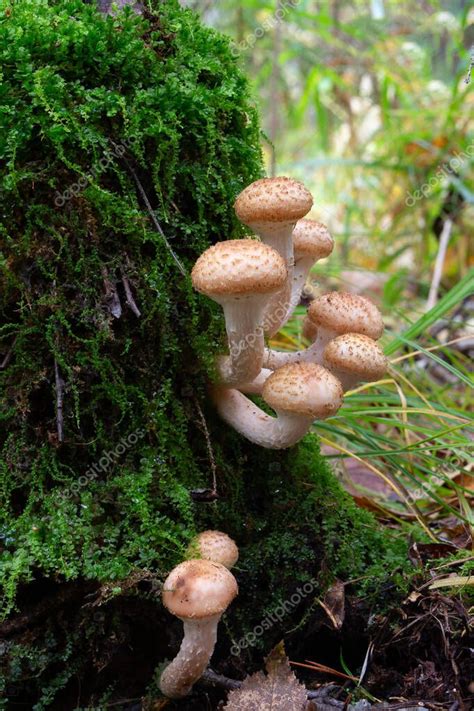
(255, 386)
(279, 237)
(244, 326)
(301, 272)
(276, 359)
(249, 420)
(196, 649)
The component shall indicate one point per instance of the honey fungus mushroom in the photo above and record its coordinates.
(271, 207)
(240, 275)
(299, 393)
(331, 315)
(354, 358)
(197, 592)
(216, 546)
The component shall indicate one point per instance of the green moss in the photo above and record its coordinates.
(115, 495)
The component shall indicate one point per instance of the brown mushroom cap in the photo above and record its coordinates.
(356, 354)
(239, 267)
(309, 329)
(273, 200)
(305, 389)
(312, 239)
(196, 589)
(346, 313)
(216, 546)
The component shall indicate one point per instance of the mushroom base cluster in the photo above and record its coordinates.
(258, 283)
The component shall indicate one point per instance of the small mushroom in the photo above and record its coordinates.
(197, 592)
(240, 275)
(271, 207)
(311, 242)
(216, 546)
(299, 393)
(331, 315)
(354, 358)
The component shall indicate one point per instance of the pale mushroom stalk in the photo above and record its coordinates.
(311, 242)
(197, 592)
(271, 207)
(188, 666)
(255, 386)
(299, 394)
(272, 360)
(245, 334)
(251, 422)
(240, 275)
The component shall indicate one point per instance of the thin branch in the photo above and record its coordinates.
(208, 444)
(128, 293)
(111, 295)
(151, 212)
(59, 401)
(439, 264)
(8, 356)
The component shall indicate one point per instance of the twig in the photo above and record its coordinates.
(438, 268)
(59, 401)
(111, 295)
(208, 443)
(151, 212)
(8, 356)
(210, 677)
(128, 293)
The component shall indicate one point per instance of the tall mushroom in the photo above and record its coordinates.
(311, 242)
(299, 393)
(271, 208)
(216, 546)
(198, 592)
(354, 358)
(240, 275)
(331, 315)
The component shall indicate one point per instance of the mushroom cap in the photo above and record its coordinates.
(196, 589)
(356, 354)
(312, 239)
(303, 389)
(273, 200)
(216, 546)
(239, 267)
(346, 313)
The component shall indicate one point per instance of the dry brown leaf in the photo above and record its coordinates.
(279, 690)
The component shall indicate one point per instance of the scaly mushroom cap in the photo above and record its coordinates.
(356, 354)
(239, 267)
(216, 546)
(346, 313)
(312, 239)
(303, 389)
(199, 588)
(273, 200)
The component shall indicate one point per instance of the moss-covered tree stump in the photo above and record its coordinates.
(112, 129)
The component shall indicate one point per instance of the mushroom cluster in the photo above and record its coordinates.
(259, 283)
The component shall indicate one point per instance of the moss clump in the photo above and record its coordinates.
(95, 114)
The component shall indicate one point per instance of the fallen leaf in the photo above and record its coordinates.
(279, 690)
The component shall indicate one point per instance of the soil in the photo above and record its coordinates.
(418, 654)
